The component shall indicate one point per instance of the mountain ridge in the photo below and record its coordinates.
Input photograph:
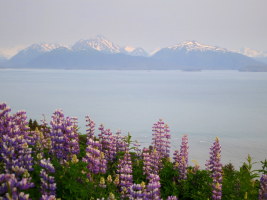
(101, 53)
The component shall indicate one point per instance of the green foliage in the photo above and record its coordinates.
(72, 182)
(168, 180)
(82, 144)
(197, 186)
(138, 175)
(264, 167)
(240, 184)
(35, 174)
(246, 178)
(230, 185)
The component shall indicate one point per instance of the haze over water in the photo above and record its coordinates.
(229, 104)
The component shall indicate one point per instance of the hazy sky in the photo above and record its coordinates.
(150, 24)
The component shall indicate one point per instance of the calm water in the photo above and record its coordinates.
(228, 104)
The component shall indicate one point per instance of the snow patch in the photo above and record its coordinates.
(100, 43)
(129, 48)
(195, 46)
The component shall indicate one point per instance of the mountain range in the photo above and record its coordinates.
(101, 53)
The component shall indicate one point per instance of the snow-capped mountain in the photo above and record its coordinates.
(194, 55)
(189, 46)
(134, 51)
(103, 45)
(100, 43)
(39, 48)
(26, 55)
(43, 47)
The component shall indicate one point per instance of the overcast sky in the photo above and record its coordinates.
(150, 24)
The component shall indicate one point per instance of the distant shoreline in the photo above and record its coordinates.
(128, 69)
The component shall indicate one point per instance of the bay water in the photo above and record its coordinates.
(229, 104)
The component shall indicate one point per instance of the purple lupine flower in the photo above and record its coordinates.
(184, 148)
(4, 111)
(176, 158)
(152, 161)
(90, 131)
(112, 148)
(161, 137)
(15, 150)
(147, 167)
(48, 185)
(64, 136)
(183, 159)
(11, 188)
(263, 187)
(4, 125)
(108, 143)
(102, 131)
(71, 137)
(103, 138)
(137, 192)
(8, 152)
(172, 198)
(153, 187)
(156, 162)
(121, 145)
(103, 163)
(95, 159)
(92, 156)
(125, 174)
(57, 135)
(21, 122)
(4, 122)
(137, 149)
(167, 143)
(215, 167)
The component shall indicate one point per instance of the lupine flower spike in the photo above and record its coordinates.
(125, 174)
(48, 185)
(161, 137)
(153, 187)
(215, 167)
(137, 192)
